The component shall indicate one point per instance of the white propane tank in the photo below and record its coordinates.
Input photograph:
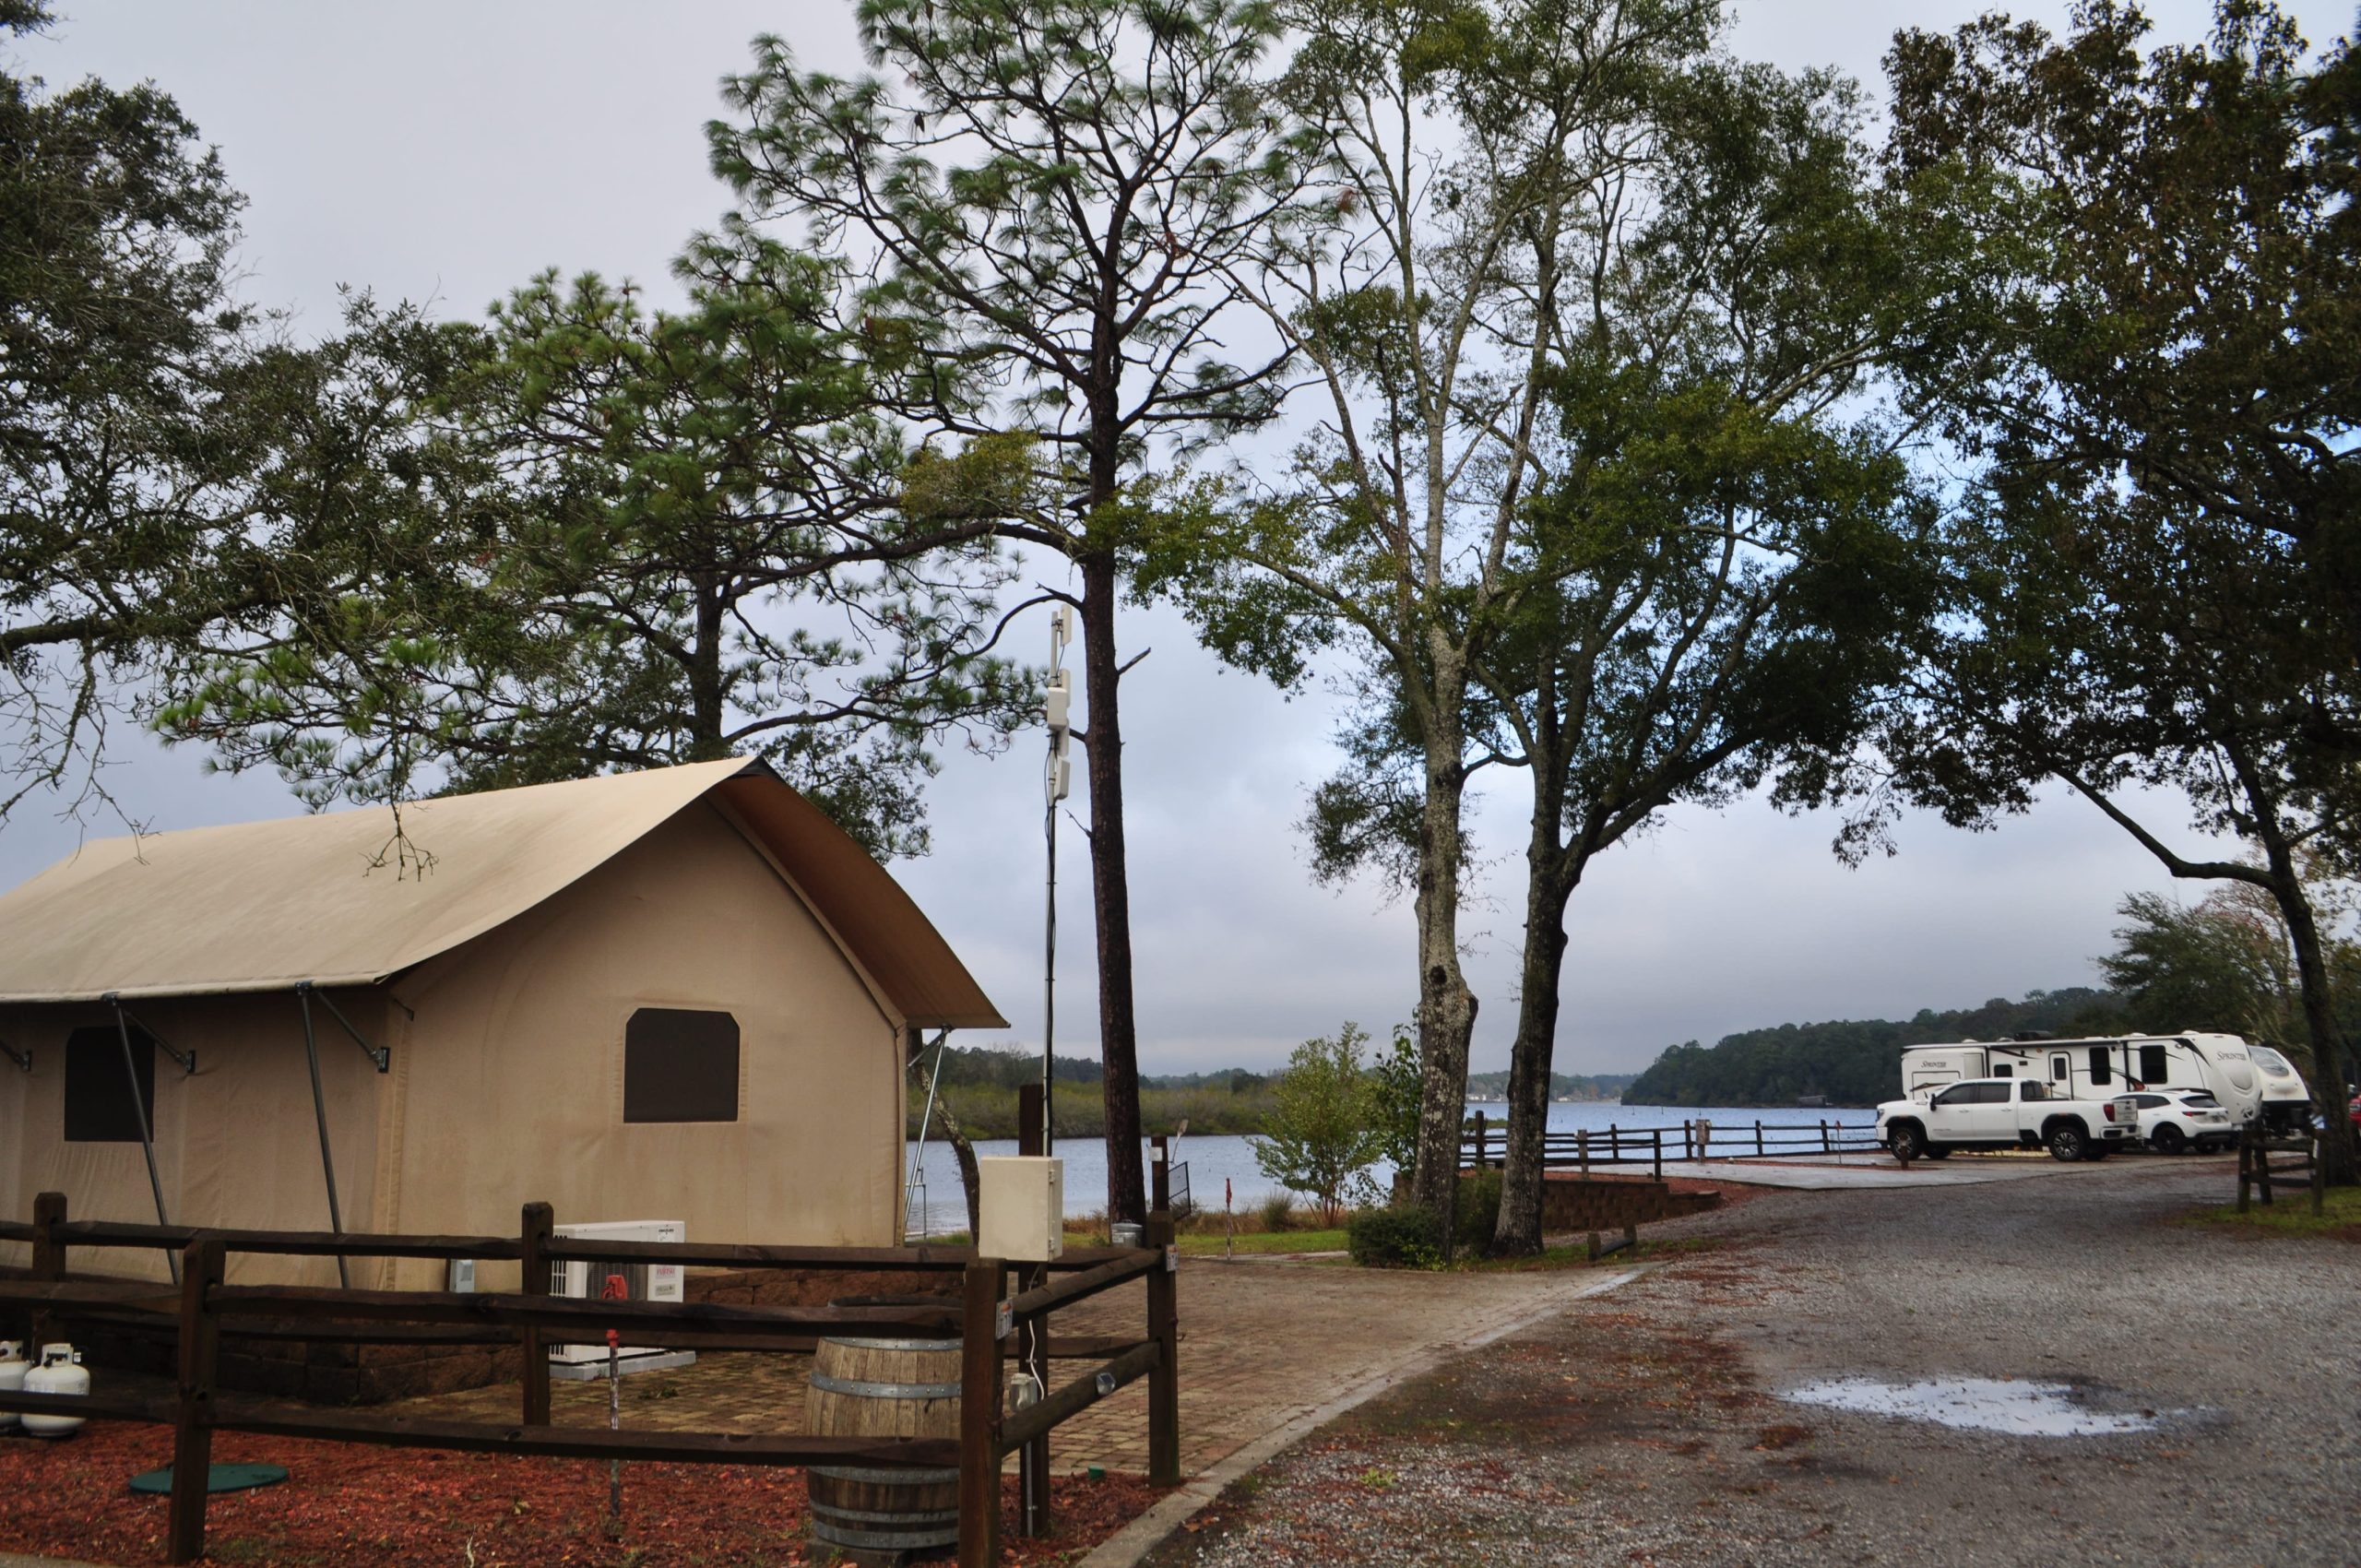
(61, 1372)
(12, 1378)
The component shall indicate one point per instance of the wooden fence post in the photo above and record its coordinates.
(200, 1351)
(49, 1252)
(1824, 1136)
(534, 1230)
(2319, 1176)
(1655, 1139)
(1614, 1144)
(980, 1348)
(1582, 1149)
(1687, 1133)
(1758, 1137)
(2246, 1166)
(1033, 1329)
(2262, 1170)
(1164, 1380)
(48, 1261)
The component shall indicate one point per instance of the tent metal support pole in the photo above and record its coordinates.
(146, 1128)
(926, 1118)
(320, 1115)
(380, 1056)
(23, 1059)
(185, 1060)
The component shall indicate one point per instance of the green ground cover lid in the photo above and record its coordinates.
(219, 1477)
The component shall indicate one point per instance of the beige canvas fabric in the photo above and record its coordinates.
(263, 905)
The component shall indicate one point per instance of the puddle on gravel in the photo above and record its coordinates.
(1976, 1404)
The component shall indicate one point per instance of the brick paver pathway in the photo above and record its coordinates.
(1261, 1343)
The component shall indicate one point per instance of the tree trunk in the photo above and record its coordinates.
(2320, 1006)
(1110, 892)
(708, 717)
(964, 1153)
(1446, 1007)
(1522, 1172)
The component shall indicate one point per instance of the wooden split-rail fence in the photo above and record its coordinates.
(1485, 1143)
(2256, 1171)
(203, 1311)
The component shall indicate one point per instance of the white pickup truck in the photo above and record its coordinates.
(1986, 1113)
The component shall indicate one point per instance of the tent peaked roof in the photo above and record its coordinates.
(266, 906)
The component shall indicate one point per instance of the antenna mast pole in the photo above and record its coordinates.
(1057, 701)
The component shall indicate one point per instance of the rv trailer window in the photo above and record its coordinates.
(2058, 1069)
(680, 1066)
(2002, 1070)
(98, 1106)
(2098, 1064)
(2152, 1065)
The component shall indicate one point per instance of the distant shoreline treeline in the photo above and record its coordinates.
(1562, 1086)
(1855, 1061)
(979, 1085)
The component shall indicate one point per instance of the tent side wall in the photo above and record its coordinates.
(237, 1145)
(512, 1069)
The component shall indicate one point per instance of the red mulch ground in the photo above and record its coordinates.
(372, 1507)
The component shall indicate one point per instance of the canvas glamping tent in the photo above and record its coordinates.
(681, 994)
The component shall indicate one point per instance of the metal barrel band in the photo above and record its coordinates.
(864, 1390)
(951, 1345)
(886, 1541)
(890, 1478)
(914, 1520)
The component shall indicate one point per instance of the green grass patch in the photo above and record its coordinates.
(1209, 1245)
(2290, 1214)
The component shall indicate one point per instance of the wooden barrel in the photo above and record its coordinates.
(866, 1387)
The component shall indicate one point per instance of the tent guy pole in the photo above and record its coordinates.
(147, 1127)
(320, 1115)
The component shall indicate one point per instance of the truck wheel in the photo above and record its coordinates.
(2168, 1139)
(1937, 1151)
(2067, 1141)
(1906, 1142)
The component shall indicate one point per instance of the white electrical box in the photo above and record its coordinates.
(1023, 1200)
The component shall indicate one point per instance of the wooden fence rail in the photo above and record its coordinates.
(202, 1310)
(1691, 1140)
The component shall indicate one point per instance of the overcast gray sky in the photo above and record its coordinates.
(446, 151)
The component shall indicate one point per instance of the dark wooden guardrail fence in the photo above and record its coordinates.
(1584, 1150)
(2256, 1170)
(202, 1311)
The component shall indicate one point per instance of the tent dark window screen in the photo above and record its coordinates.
(680, 1066)
(98, 1105)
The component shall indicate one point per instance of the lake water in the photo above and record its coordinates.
(1212, 1161)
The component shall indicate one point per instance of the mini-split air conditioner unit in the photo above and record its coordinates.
(587, 1280)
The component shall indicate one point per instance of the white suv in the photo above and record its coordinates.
(2175, 1120)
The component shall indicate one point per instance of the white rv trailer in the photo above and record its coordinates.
(2286, 1100)
(2096, 1068)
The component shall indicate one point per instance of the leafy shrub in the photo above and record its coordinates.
(1408, 1237)
(1278, 1211)
(1320, 1134)
(1479, 1208)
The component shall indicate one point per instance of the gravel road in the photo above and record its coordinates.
(1652, 1426)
